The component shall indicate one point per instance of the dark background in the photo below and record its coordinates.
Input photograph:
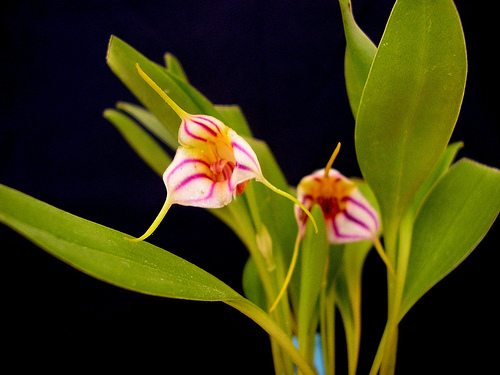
(282, 62)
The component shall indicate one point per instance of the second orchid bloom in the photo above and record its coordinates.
(348, 215)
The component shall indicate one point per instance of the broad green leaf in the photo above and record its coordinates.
(105, 254)
(439, 170)
(140, 141)
(150, 122)
(359, 54)
(453, 219)
(174, 66)
(410, 102)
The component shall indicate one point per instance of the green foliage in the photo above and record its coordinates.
(405, 95)
(453, 219)
(410, 102)
(105, 253)
(359, 54)
(142, 143)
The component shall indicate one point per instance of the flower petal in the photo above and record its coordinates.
(246, 163)
(190, 181)
(198, 130)
(348, 215)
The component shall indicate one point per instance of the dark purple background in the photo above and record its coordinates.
(282, 61)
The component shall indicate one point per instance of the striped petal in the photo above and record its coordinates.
(190, 181)
(349, 217)
(204, 133)
(246, 163)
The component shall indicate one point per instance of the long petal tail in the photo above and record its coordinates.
(292, 198)
(159, 218)
(289, 274)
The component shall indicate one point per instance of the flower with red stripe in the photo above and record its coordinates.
(212, 165)
(349, 217)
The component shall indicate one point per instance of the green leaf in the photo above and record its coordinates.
(348, 296)
(453, 219)
(276, 211)
(410, 102)
(105, 254)
(359, 54)
(235, 119)
(150, 122)
(441, 168)
(122, 60)
(174, 66)
(314, 253)
(142, 143)
(252, 285)
(347, 285)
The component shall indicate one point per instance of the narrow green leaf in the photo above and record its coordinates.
(347, 289)
(453, 219)
(174, 66)
(122, 60)
(140, 141)
(252, 285)
(410, 102)
(276, 211)
(105, 254)
(314, 253)
(359, 54)
(203, 105)
(150, 122)
(235, 119)
(347, 286)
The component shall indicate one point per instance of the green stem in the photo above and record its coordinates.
(264, 320)
(261, 250)
(385, 359)
(327, 323)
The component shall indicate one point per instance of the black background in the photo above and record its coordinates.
(282, 62)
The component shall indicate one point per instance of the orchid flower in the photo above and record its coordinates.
(349, 217)
(211, 166)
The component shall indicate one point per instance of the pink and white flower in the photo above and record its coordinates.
(349, 217)
(212, 165)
